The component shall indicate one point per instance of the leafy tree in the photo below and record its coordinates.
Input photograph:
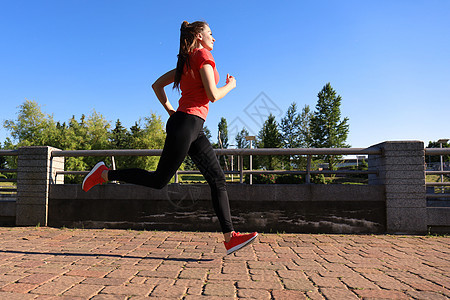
(2, 161)
(32, 126)
(327, 128)
(269, 137)
(151, 136)
(437, 158)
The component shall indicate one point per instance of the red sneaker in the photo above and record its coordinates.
(239, 241)
(94, 177)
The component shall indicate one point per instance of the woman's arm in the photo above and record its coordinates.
(212, 91)
(158, 88)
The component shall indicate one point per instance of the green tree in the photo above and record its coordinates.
(151, 136)
(241, 142)
(207, 133)
(120, 137)
(32, 127)
(222, 133)
(269, 137)
(222, 140)
(305, 127)
(290, 126)
(2, 161)
(327, 128)
(437, 158)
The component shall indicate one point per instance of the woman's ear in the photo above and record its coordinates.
(199, 36)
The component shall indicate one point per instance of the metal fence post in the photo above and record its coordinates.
(241, 168)
(308, 170)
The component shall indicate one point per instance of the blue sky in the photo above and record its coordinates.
(388, 59)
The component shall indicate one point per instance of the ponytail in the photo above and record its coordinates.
(188, 32)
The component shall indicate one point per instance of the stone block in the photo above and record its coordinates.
(406, 220)
(400, 153)
(42, 163)
(402, 145)
(31, 215)
(438, 216)
(37, 199)
(406, 168)
(21, 194)
(32, 188)
(27, 182)
(403, 174)
(35, 150)
(32, 175)
(32, 169)
(407, 201)
(409, 189)
(404, 160)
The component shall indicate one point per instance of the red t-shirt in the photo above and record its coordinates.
(193, 95)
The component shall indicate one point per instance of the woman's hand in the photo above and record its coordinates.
(158, 88)
(212, 92)
(231, 81)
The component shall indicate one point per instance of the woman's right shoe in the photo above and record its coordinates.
(239, 241)
(94, 177)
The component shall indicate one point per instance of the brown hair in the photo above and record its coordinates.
(188, 33)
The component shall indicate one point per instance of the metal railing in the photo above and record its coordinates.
(442, 184)
(8, 190)
(241, 153)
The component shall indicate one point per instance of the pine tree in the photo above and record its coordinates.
(269, 137)
(241, 142)
(327, 128)
(222, 135)
(305, 127)
(119, 136)
(222, 140)
(290, 126)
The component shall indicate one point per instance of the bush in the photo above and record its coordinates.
(275, 179)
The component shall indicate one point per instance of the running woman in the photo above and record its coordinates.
(197, 77)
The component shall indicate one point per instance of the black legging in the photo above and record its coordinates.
(185, 136)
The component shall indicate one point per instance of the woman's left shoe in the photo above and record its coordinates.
(94, 177)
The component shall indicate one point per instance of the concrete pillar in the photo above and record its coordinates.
(401, 168)
(36, 169)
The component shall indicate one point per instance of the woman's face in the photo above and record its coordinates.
(206, 39)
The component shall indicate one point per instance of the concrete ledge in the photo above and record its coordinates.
(265, 208)
(438, 216)
(7, 208)
(255, 192)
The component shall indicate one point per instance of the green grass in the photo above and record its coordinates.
(436, 178)
(7, 185)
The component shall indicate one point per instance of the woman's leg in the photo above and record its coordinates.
(181, 129)
(203, 155)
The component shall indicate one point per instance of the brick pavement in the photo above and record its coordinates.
(49, 263)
